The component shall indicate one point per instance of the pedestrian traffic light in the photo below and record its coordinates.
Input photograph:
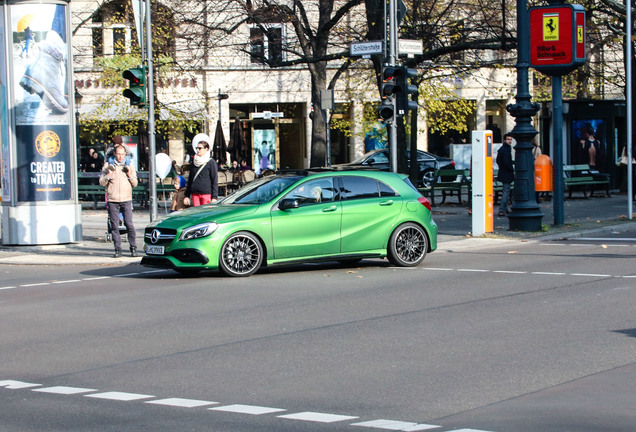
(388, 89)
(136, 90)
(404, 104)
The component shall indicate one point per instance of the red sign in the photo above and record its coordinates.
(557, 38)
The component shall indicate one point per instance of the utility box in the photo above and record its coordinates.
(481, 176)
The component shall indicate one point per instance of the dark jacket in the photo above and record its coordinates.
(207, 182)
(506, 167)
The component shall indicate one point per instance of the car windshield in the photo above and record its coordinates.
(261, 191)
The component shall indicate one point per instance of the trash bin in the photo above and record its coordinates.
(543, 174)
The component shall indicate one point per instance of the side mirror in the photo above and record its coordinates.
(288, 203)
(371, 161)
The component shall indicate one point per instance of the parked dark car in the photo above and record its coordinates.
(427, 163)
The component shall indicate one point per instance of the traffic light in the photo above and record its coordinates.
(388, 89)
(404, 104)
(136, 90)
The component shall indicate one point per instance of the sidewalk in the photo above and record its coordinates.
(582, 216)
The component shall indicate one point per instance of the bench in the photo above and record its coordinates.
(583, 178)
(450, 182)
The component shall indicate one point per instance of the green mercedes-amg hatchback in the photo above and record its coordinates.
(342, 216)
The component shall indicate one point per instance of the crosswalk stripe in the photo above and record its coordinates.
(179, 402)
(63, 390)
(120, 396)
(247, 409)
(395, 425)
(317, 417)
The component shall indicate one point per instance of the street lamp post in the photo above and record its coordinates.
(525, 212)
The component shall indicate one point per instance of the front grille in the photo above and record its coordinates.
(159, 236)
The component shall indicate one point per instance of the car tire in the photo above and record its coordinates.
(408, 245)
(241, 255)
(427, 178)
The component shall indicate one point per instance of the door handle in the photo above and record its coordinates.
(329, 209)
(386, 203)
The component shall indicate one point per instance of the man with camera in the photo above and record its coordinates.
(119, 177)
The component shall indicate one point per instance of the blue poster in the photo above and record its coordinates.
(44, 163)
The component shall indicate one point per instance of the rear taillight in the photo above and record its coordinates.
(452, 163)
(425, 202)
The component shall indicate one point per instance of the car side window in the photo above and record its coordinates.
(314, 191)
(386, 190)
(354, 187)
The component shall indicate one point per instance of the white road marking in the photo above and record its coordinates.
(120, 396)
(437, 268)
(247, 409)
(179, 402)
(63, 390)
(473, 270)
(235, 408)
(36, 284)
(509, 271)
(548, 273)
(96, 278)
(8, 288)
(67, 281)
(155, 271)
(15, 385)
(127, 274)
(395, 425)
(317, 417)
(590, 274)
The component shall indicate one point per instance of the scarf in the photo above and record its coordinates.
(201, 160)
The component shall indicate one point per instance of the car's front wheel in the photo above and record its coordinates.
(408, 245)
(241, 255)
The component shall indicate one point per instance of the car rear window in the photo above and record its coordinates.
(364, 187)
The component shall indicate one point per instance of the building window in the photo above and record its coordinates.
(114, 33)
(266, 44)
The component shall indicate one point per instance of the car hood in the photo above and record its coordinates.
(209, 213)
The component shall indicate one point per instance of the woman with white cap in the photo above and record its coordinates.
(203, 182)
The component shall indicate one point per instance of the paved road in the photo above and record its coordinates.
(492, 335)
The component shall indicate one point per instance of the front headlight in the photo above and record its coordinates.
(198, 231)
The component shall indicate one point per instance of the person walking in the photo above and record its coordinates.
(119, 177)
(28, 39)
(203, 181)
(506, 174)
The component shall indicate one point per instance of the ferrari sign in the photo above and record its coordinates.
(557, 38)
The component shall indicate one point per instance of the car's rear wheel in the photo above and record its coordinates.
(427, 178)
(408, 245)
(241, 255)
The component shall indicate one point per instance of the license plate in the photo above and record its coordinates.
(154, 250)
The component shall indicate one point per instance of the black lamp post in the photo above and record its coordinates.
(525, 212)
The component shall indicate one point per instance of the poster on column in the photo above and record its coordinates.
(40, 56)
(5, 173)
(264, 150)
(44, 171)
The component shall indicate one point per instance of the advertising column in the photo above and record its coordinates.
(482, 183)
(38, 142)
